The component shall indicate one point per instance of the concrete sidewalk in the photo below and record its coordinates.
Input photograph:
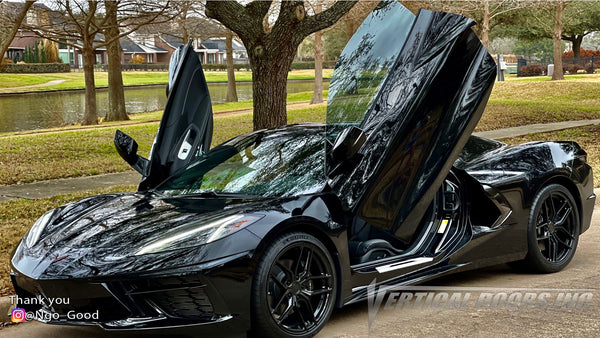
(49, 188)
(534, 128)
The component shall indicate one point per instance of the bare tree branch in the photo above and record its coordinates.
(5, 43)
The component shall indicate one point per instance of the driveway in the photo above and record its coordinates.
(352, 321)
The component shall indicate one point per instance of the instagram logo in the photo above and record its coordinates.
(17, 315)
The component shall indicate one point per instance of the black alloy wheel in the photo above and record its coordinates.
(553, 230)
(294, 287)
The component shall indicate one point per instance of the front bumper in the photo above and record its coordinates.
(219, 295)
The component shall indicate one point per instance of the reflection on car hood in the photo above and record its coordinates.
(110, 228)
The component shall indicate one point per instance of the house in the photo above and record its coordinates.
(72, 55)
(214, 51)
(144, 47)
(21, 41)
(37, 14)
(154, 48)
(130, 47)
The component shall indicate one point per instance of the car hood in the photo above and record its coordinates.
(104, 232)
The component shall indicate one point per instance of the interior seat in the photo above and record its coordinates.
(371, 250)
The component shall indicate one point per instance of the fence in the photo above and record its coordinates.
(587, 64)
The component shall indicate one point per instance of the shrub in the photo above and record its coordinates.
(223, 67)
(311, 64)
(591, 68)
(137, 59)
(532, 70)
(161, 67)
(582, 53)
(7, 61)
(572, 68)
(35, 68)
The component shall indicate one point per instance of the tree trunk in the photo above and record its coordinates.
(558, 26)
(577, 40)
(4, 44)
(91, 116)
(271, 53)
(116, 95)
(485, 26)
(269, 89)
(318, 90)
(231, 90)
(185, 35)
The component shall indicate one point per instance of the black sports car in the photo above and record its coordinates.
(272, 230)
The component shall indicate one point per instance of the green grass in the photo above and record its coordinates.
(513, 77)
(74, 80)
(17, 216)
(73, 153)
(519, 102)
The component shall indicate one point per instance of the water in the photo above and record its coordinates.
(48, 110)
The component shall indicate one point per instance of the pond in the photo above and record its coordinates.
(55, 109)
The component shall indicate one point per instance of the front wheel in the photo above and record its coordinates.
(553, 230)
(294, 287)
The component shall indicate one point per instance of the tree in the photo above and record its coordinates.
(231, 90)
(187, 21)
(78, 24)
(116, 93)
(580, 19)
(557, 39)
(356, 15)
(541, 48)
(13, 27)
(271, 51)
(318, 88)
(487, 14)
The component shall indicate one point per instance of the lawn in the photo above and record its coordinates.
(17, 216)
(522, 101)
(73, 153)
(587, 137)
(74, 80)
(89, 151)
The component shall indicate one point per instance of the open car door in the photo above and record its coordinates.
(416, 86)
(186, 127)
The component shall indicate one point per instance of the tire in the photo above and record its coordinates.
(294, 287)
(553, 230)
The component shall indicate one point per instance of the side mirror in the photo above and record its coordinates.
(127, 148)
(346, 146)
(348, 143)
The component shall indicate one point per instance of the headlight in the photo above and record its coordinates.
(34, 233)
(200, 235)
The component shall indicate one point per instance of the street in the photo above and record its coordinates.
(353, 321)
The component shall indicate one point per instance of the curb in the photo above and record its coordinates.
(149, 85)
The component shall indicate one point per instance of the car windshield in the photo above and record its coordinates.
(285, 162)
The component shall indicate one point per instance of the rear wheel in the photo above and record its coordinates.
(294, 287)
(553, 230)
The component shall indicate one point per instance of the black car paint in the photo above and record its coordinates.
(92, 247)
(421, 118)
(87, 252)
(187, 120)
